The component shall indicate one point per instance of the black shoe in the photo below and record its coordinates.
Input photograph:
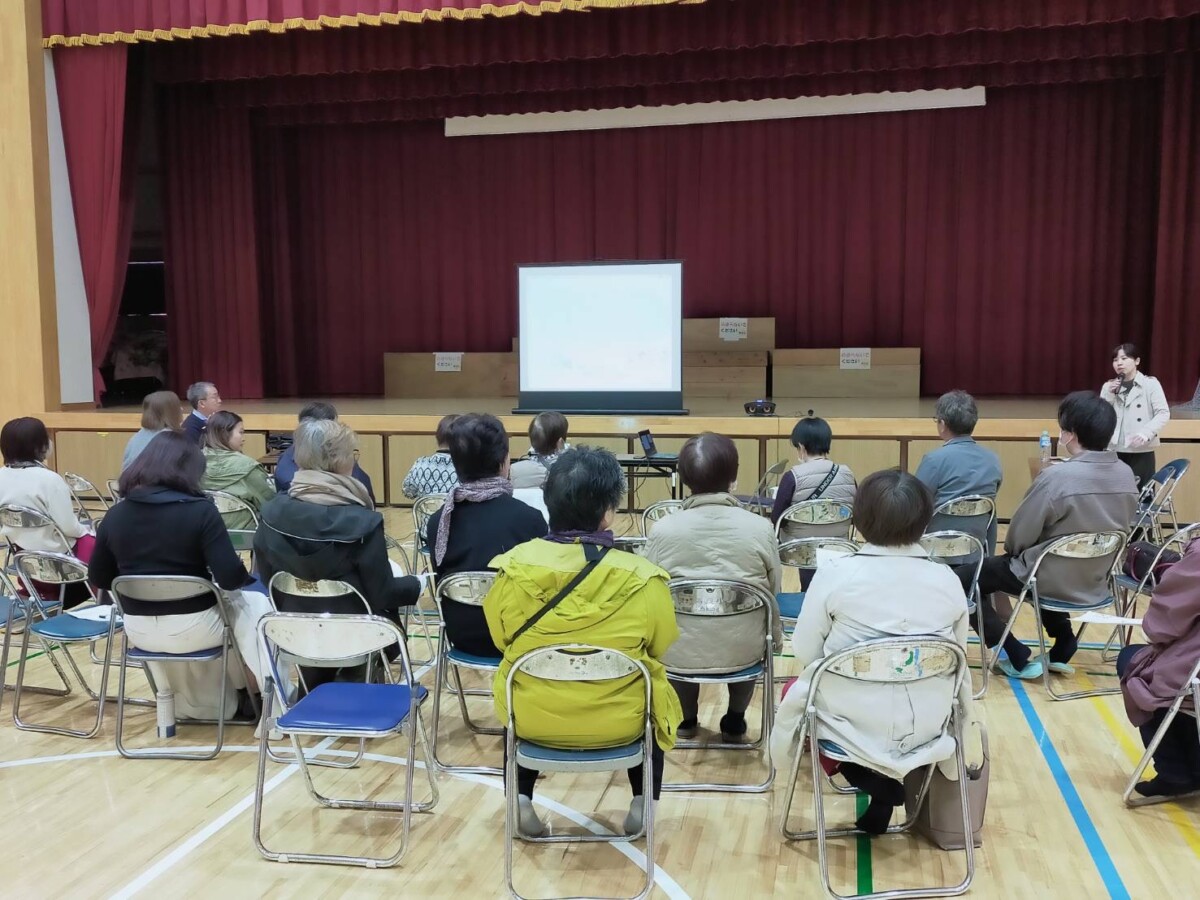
(1161, 787)
(733, 727)
(1063, 650)
(876, 818)
(688, 729)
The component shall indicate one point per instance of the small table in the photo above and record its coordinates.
(664, 466)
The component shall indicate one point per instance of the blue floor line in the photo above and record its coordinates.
(1087, 830)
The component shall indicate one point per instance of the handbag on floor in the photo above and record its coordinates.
(940, 818)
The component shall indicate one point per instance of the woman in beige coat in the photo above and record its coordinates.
(1142, 412)
(713, 537)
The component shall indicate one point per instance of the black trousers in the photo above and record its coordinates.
(740, 695)
(1143, 465)
(1177, 758)
(997, 576)
(526, 778)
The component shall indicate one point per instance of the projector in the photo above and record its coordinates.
(760, 408)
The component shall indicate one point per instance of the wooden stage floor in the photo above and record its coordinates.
(82, 822)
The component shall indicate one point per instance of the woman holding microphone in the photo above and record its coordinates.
(1142, 412)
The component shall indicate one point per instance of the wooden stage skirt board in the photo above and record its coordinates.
(868, 435)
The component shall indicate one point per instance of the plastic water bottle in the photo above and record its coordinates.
(1044, 444)
(165, 709)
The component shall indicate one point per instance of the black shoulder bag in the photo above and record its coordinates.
(594, 554)
(824, 485)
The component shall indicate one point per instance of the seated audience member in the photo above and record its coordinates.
(480, 520)
(25, 481)
(433, 474)
(205, 401)
(326, 526)
(164, 525)
(285, 469)
(889, 589)
(1152, 675)
(622, 604)
(814, 477)
(960, 466)
(230, 470)
(161, 411)
(713, 537)
(547, 439)
(1090, 492)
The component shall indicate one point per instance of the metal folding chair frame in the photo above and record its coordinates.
(1189, 690)
(1157, 500)
(79, 485)
(974, 598)
(823, 513)
(658, 510)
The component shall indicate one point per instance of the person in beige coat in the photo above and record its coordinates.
(713, 537)
(890, 588)
(1142, 413)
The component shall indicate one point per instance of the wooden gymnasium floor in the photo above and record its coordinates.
(78, 821)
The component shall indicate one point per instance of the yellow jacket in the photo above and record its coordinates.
(623, 604)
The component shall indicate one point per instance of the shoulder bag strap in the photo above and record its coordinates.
(824, 485)
(594, 554)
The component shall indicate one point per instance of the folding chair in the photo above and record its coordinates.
(113, 486)
(802, 554)
(1189, 691)
(631, 544)
(577, 663)
(1130, 588)
(706, 610)
(659, 510)
(57, 632)
(227, 504)
(762, 501)
(974, 514)
(815, 518)
(469, 588)
(1104, 548)
(422, 509)
(958, 548)
(344, 710)
(418, 613)
(1157, 500)
(885, 661)
(23, 518)
(166, 589)
(83, 492)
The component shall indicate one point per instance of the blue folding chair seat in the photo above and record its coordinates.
(351, 707)
(1129, 582)
(66, 627)
(18, 608)
(754, 671)
(556, 759)
(832, 750)
(160, 656)
(458, 657)
(790, 604)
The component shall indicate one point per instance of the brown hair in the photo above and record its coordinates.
(443, 430)
(220, 428)
(708, 463)
(160, 410)
(892, 508)
(24, 440)
(170, 460)
(546, 430)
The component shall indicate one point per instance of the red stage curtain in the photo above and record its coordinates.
(1176, 341)
(1014, 243)
(100, 140)
(210, 256)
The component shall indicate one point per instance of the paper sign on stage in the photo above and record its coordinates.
(447, 362)
(856, 358)
(733, 328)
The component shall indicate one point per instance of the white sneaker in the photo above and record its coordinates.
(528, 822)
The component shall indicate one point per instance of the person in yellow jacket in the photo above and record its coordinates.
(622, 604)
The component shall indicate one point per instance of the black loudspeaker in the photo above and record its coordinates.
(760, 408)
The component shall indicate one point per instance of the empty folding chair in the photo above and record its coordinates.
(878, 663)
(659, 510)
(803, 555)
(1190, 691)
(1102, 550)
(17, 612)
(341, 709)
(1157, 501)
(958, 548)
(974, 514)
(577, 663)
(424, 507)
(469, 588)
(84, 492)
(227, 504)
(56, 632)
(713, 614)
(168, 589)
(763, 498)
(815, 518)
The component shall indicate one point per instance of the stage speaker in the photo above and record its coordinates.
(760, 408)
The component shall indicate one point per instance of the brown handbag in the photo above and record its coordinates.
(940, 818)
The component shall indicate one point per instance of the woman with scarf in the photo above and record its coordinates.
(326, 526)
(623, 603)
(481, 520)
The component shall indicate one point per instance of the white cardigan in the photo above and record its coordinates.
(36, 487)
(1144, 410)
(880, 592)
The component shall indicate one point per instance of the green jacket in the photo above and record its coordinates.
(237, 474)
(623, 604)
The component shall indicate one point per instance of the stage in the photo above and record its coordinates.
(868, 435)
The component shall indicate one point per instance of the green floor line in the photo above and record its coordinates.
(866, 882)
(17, 662)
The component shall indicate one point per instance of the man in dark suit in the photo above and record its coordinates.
(205, 400)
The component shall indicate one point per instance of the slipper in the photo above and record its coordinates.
(1032, 670)
(1061, 668)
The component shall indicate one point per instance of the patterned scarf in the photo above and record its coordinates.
(599, 538)
(472, 492)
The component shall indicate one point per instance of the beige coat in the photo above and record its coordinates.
(713, 537)
(1144, 410)
(878, 593)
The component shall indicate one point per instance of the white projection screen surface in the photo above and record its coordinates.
(601, 337)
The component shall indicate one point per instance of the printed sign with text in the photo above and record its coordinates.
(447, 362)
(733, 329)
(856, 358)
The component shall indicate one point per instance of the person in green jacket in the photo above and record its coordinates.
(230, 470)
(623, 604)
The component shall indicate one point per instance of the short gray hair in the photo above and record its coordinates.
(958, 410)
(198, 392)
(322, 445)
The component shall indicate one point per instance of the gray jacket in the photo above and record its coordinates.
(956, 469)
(713, 537)
(1092, 492)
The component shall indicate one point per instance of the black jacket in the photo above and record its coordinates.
(193, 428)
(479, 532)
(343, 543)
(158, 531)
